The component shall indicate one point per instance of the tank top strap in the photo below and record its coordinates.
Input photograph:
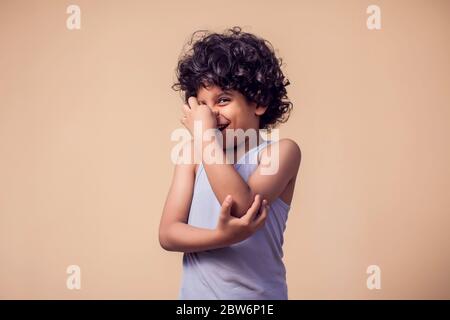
(246, 158)
(251, 157)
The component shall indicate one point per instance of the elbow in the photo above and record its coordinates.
(241, 206)
(237, 212)
(164, 240)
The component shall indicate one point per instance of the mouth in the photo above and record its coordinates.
(222, 126)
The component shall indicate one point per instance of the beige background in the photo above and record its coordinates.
(85, 123)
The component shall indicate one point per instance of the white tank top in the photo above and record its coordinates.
(250, 269)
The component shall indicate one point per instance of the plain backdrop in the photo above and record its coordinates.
(85, 123)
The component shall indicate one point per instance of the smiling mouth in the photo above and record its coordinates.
(222, 126)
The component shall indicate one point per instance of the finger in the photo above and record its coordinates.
(263, 215)
(226, 207)
(192, 101)
(253, 210)
(264, 204)
(185, 109)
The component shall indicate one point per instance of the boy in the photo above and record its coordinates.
(227, 218)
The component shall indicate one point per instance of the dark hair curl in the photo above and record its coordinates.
(236, 60)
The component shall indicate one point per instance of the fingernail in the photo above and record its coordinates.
(228, 197)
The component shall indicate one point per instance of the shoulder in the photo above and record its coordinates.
(284, 155)
(290, 147)
(285, 149)
(280, 159)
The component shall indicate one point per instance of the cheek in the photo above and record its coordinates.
(238, 114)
(232, 114)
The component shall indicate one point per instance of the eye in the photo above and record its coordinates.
(223, 101)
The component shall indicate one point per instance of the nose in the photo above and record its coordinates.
(215, 111)
(213, 107)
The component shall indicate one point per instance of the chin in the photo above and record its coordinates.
(224, 141)
(237, 140)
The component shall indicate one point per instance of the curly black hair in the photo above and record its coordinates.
(236, 60)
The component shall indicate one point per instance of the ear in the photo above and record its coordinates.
(260, 110)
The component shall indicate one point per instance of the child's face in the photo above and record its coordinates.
(234, 112)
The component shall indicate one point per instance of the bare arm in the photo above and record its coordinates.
(176, 235)
(224, 178)
(174, 232)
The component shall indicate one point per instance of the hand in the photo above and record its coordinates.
(193, 111)
(233, 230)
